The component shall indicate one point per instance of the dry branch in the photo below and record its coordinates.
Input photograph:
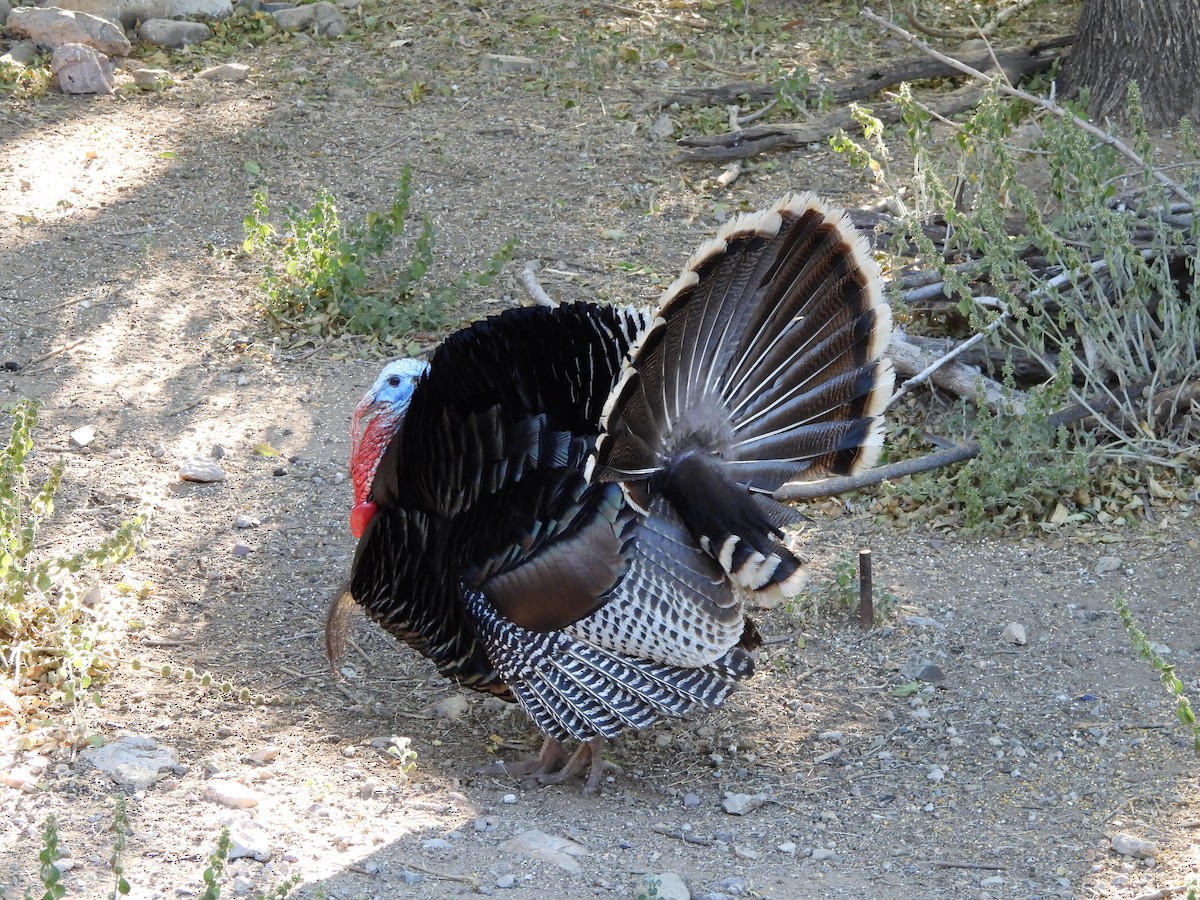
(1016, 62)
(753, 141)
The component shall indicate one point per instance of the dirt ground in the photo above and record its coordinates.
(122, 219)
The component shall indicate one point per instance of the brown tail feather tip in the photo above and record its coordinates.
(337, 626)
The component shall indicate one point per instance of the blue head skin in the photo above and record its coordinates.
(376, 418)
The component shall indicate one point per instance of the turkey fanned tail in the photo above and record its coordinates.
(762, 365)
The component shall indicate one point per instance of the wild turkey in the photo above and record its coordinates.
(569, 507)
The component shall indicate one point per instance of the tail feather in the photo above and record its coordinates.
(761, 365)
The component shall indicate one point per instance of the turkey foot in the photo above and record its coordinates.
(588, 756)
(551, 765)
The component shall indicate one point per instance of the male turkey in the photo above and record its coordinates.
(569, 507)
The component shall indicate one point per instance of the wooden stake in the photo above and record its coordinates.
(866, 599)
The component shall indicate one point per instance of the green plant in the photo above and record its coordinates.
(325, 275)
(25, 82)
(48, 872)
(1165, 670)
(50, 644)
(1093, 291)
(120, 843)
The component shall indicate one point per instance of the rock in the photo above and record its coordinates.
(1014, 633)
(323, 16)
(264, 755)
(690, 800)
(787, 847)
(742, 852)
(735, 885)
(1131, 845)
(226, 72)
(195, 9)
(662, 886)
(451, 708)
(152, 79)
(79, 69)
(411, 877)
(436, 844)
(486, 824)
(134, 761)
(83, 435)
(249, 840)
(242, 885)
(200, 469)
(662, 128)
(20, 54)
(230, 793)
(740, 804)
(823, 853)
(505, 882)
(509, 798)
(246, 522)
(936, 774)
(548, 848)
(919, 668)
(1106, 564)
(169, 33)
(503, 64)
(52, 27)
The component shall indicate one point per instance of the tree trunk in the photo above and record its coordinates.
(1153, 42)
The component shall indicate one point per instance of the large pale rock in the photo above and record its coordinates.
(168, 33)
(130, 12)
(134, 761)
(78, 69)
(52, 27)
(550, 848)
(323, 15)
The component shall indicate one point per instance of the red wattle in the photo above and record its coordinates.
(361, 515)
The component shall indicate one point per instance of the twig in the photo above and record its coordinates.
(312, 351)
(445, 876)
(967, 864)
(680, 835)
(187, 406)
(1163, 893)
(1000, 398)
(55, 352)
(1048, 105)
(534, 290)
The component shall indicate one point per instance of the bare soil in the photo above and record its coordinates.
(122, 222)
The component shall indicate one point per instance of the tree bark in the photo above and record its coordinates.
(1153, 42)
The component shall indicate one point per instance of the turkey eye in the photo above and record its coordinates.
(394, 381)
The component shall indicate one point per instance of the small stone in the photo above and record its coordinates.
(246, 522)
(230, 793)
(201, 470)
(662, 886)
(504, 882)
(740, 804)
(787, 847)
(823, 853)
(485, 824)
(83, 435)
(509, 798)
(249, 841)
(242, 885)
(152, 79)
(1014, 633)
(64, 865)
(735, 885)
(1131, 845)
(745, 852)
(503, 64)
(992, 881)
(264, 755)
(241, 551)
(691, 801)
(936, 774)
(451, 708)
(436, 844)
(225, 72)
(1106, 564)
(411, 877)
(662, 128)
